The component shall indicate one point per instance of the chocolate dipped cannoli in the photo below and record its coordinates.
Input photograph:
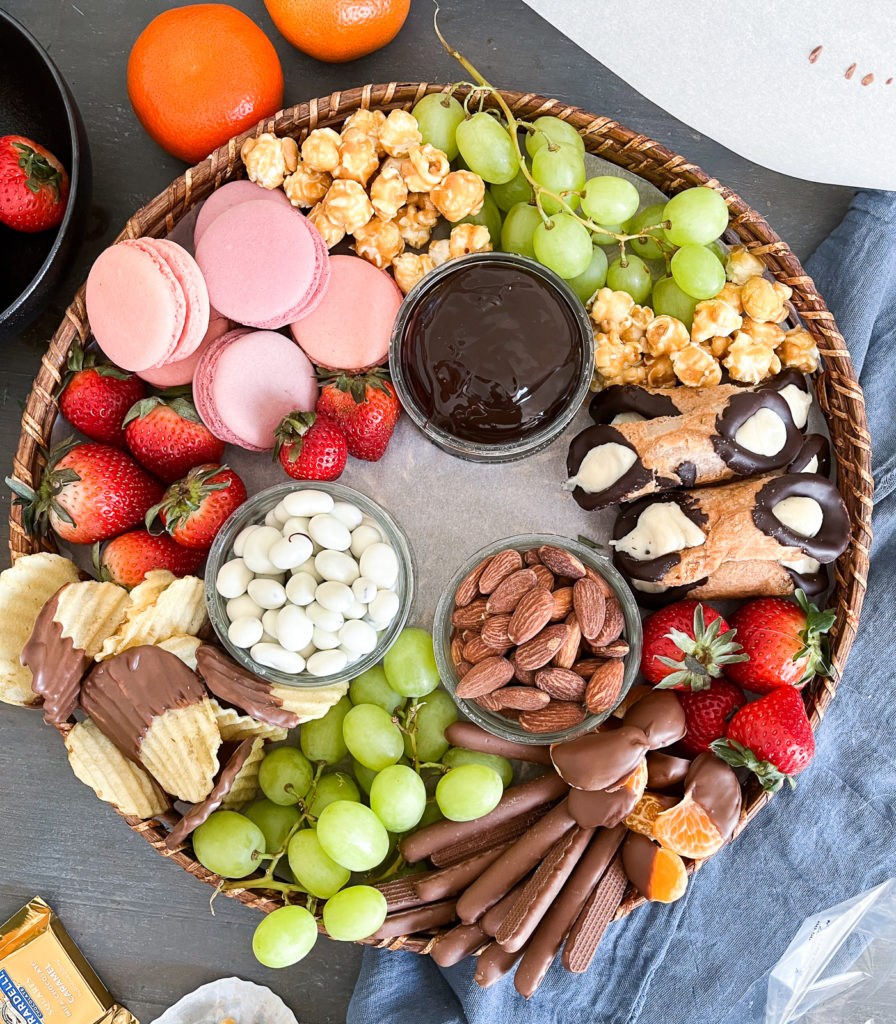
(742, 433)
(813, 457)
(796, 520)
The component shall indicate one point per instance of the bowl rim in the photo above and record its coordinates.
(74, 171)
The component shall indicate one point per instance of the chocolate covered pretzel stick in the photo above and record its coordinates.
(595, 915)
(439, 885)
(466, 734)
(417, 919)
(493, 918)
(493, 963)
(453, 946)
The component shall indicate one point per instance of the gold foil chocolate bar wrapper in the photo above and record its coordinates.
(44, 978)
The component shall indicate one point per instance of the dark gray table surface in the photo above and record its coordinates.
(144, 923)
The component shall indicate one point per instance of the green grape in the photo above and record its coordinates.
(457, 756)
(285, 775)
(519, 228)
(355, 913)
(469, 791)
(274, 820)
(718, 250)
(434, 714)
(398, 797)
(229, 844)
(352, 835)
(647, 248)
(410, 664)
(487, 148)
(563, 244)
(490, 216)
(609, 200)
(697, 272)
(372, 737)
(555, 130)
(331, 787)
(558, 169)
(593, 277)
(438, 116)
(364, 776)
(669, 300)
(315, 872)
(633, 278)
(372, 687)
(696, 216)
(321, 738)
(284, 937)
(508, 194)
(607, 239)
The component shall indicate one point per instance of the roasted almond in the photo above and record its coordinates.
(457, 650)
(590, 606)
(594, 575)
(478, 650)
(531, 557)
(489, 701)
(485, 677)
(557, 716)
(505, 597)
(568, 651)
(560, 562)
(612, 627)
(469, 585)
(466, 635)
(614, 649)
(560, 683)
(494, 632)
(473, 614)
(500, 566)
(538, 651)
(545, 577)
(512, 713)
(602, 691)
(531, 615)
(462, 668)
(586, 667)
(562, 603)
(523, 698)
(523, 675)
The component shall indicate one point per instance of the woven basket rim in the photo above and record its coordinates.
(836, 386)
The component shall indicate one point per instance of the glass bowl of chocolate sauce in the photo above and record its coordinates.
(492, 355)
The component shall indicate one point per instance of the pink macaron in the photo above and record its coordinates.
(232, 194)
(261, 264)
(136, 305)
(247, 381)
(190, 278)
(181, 371)
(351, 326)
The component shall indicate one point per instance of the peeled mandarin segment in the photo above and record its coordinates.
(668, 879)
(646, 811)
(687, 829)
(637, 781)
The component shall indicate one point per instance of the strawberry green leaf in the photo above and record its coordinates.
(739, 756)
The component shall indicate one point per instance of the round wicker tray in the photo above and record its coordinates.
(836, 386)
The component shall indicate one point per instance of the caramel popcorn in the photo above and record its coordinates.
(719, 345)
(611, 308)
(614, 358)
(695, 367)
(714, 318)
(467, 238)
(632, 375)
(765, 301)
(357, 156)
(320, 151)
(439, 251)
(664, 335)
(305, 187)
(424, 168)
(417, 219)
(409, 268)
(750, 361)
(399, 132)
(660, 372)
(731, 294)
(378, 241)
(332, 233)
(268, 159)
(370, 122)
(459, 194)
(741, 265)
(769, 334)
(347, 205)
(388, 192)
(799, 351)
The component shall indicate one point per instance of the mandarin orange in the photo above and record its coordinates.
(338, 30)
(200, 74)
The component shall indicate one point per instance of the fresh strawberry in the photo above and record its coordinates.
(310, 446)
(786, 643)
(687, 645)
(194, 509)
(166, 435)
(33, 185)
(365, 407)
(129, 557)
(87, 492)
(771, 736)
(97, 396)
(707, 712)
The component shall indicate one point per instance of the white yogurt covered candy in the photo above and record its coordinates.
(380, 564)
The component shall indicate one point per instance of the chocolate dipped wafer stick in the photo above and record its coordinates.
(401, 893)
(513, 864)
(453, 946)
(438, 885)
(517, 800)
(466, 734)
(498, 835)
(595, 915)
(556, 923)
(417, 919)
(493, 963)
(493, 918)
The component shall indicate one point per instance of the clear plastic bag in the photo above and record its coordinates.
(840, 967)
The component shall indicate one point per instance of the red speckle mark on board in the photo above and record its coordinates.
(814, 55)
(850, 71)
(868, 79)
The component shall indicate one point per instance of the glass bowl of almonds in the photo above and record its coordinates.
(537, 638)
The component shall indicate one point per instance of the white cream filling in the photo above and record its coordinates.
(649, 588)
(626, 417)
(763, 433)
(811, 466)
(799, 401)
(800, 514)
(660, 530)
(602, 466)
(804, 566)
